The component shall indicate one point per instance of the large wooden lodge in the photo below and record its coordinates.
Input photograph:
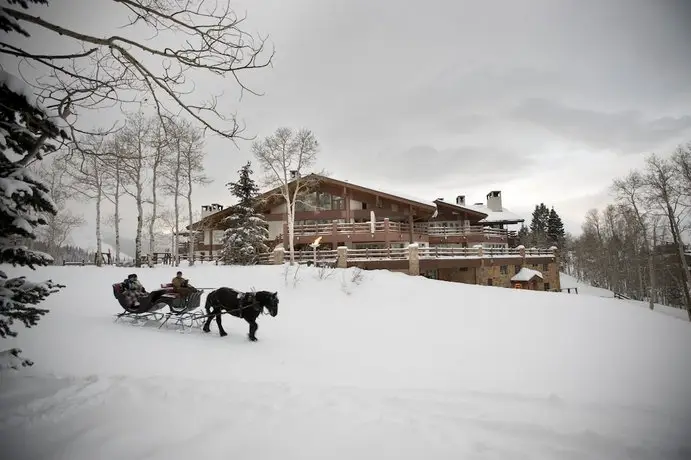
(455, 241)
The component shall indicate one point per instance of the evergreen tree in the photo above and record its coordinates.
(538, 224)
(523, 235)
(555, 228)
(26, 134)
(247, 232)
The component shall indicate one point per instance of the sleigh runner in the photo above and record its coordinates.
(181, 308)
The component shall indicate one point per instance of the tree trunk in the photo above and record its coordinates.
(685, 278)
(291, 232)
(152, 222)
(190, 246)
(99, 246)
(177, 204)
(140, 224)
(117, 212)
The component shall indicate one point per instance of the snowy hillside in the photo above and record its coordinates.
(587, 289)
(394, 367)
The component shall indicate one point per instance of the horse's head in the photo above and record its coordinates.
(269, 300)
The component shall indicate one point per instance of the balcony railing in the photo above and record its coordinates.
(427, 229)
(329, 255)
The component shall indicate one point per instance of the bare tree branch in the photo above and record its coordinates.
(119, 69)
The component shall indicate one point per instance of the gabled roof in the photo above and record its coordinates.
(394, 196)
(526, 274)
(458, 207)
(497, 217)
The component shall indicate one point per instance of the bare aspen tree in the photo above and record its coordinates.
(284, 156)
(84, 164)
(101, 70)
(167, 220)
(133, 142)
(631, 191)
(664, 188)
(160, 150)
(58, 226)
(192, 160)
(171, 180)
(115, 177)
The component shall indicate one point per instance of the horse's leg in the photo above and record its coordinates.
(252, 320)
(209, 317)
(220, 324)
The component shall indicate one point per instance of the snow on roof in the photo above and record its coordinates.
(526, 274)
(393, 193)
(495, 216)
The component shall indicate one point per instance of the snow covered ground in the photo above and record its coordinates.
(586, 289)
(394, 367)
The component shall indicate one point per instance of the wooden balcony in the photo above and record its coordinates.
(338, 233)
(387, 232)
(424, 253)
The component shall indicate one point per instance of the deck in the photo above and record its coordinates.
(389, 232)
(429, 253)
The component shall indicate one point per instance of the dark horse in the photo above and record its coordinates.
(246, 305)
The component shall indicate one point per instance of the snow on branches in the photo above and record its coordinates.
(26, 131)
(247, 232)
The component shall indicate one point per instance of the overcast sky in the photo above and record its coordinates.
(544, 100)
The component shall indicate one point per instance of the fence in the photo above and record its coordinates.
(434, 252)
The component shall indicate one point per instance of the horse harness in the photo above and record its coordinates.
(247, 300)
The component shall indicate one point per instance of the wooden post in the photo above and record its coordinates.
(413, 260)
(342, 257)
(278, 256)
(410, 223)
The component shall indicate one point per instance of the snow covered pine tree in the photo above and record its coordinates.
(247, 231)
(25, 134)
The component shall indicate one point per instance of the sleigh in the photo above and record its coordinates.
(153, 305)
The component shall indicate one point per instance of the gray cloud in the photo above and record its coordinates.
(424, 164)
(628, 131)
(451, 94)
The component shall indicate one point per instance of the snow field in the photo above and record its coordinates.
(392, 367)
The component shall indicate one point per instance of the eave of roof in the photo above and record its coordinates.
(459, 207)
(394, 196)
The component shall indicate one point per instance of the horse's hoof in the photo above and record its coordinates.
(206, 330)
(253, 339)
(223, 334)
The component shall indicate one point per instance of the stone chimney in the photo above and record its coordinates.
(460, 200)
(494, 201)
(209, 209)
(294, 174)
(440, 199)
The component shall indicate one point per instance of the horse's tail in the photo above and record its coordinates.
(210, 301)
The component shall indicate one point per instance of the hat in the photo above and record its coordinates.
(179, 273)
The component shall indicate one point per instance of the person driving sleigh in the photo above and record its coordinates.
(182, 285)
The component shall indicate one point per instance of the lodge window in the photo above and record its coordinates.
(489, 282)
(545, 267)
(318, 201)
(378, 202)
(504, 269)
(337, 202)
(546, 286)
(394, 207)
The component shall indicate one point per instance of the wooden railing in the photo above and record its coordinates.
(433, 252)
(440, 230)
(398, 227)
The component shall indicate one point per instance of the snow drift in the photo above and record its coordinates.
(378, 366)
